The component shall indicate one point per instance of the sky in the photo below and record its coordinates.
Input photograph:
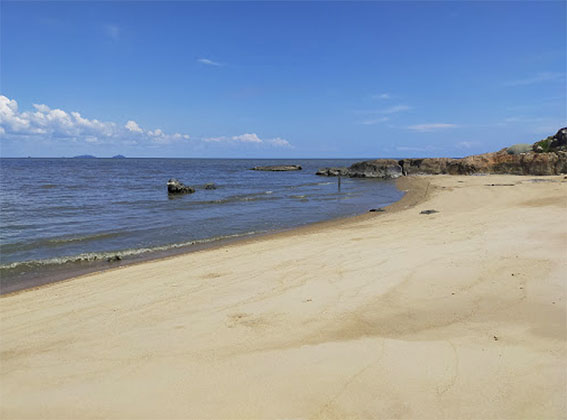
(279, 79)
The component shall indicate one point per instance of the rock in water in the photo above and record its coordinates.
(277, 168)
(378, 168)
(176, 187)
(210, 186)
(332, 172)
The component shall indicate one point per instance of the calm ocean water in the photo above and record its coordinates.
(67, 212)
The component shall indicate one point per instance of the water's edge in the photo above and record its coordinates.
(413, 192)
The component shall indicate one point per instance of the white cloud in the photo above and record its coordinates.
(247, 138)
(215, 139)
(209, 62)
(250, 138)
(278, 141)
(382, 96)
(542, 77)
(42, 108)
(431, 127)
(133, 126)
(45, 123)
(56, 124)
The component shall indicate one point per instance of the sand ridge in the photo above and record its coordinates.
(457, 314)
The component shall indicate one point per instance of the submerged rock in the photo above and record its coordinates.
(277, 168)
(176, 187)
(210, 186)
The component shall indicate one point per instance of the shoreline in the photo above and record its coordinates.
(457, 314)
(414, 187)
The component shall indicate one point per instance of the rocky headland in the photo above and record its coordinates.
(545, 157)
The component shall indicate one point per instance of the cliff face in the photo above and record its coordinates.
(547, 157)
(552, 163)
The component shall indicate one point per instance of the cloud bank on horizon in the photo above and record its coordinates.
(45, 123)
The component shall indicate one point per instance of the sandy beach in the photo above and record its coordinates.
(458, 314)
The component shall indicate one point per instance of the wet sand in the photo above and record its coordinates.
(456, 314)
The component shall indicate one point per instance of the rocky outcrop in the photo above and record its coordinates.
(332, 172)
(556, 143)
(176, 187)
(378, 168)
(546, 157)
(277, 168)
(531, 163)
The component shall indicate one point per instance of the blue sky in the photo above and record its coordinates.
(279, 79)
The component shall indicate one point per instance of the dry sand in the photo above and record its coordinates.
(458, 314)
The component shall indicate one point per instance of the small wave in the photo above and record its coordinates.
(102, 256)
(47, 186)
(53, 242)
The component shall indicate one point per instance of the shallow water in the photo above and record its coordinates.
(60, 211)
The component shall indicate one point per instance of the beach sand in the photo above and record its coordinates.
(458, 314)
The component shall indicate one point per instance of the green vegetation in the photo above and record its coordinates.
(543, 146)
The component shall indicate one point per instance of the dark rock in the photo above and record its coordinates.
(277, 168)
(428, 211)
(378, 210)
(378, 168)
(210, 186)
(176, 187)
(114, 258)
(332, 172)
(556, 143)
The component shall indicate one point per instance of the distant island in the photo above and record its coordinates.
(94, 157)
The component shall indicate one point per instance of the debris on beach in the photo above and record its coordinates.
(378, 210)
(428, 211)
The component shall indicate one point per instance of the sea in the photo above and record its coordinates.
(64, 217)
